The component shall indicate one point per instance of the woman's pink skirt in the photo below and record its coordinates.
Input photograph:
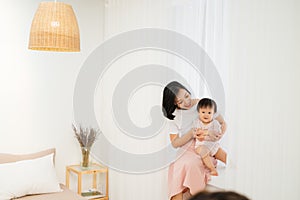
(187, 172)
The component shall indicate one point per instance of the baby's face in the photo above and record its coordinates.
(206, 114)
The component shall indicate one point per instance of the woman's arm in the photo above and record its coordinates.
(221, 120)
(180, 141)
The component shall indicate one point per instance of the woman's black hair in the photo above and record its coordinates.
(206, 102)
(226, 195)
(169, 95)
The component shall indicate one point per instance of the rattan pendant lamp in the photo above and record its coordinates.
(54, 28)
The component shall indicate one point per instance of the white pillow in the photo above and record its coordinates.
(24, 177)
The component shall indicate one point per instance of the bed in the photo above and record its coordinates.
(23, 177)
(66, 194)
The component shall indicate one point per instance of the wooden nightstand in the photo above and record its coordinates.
(94, 169)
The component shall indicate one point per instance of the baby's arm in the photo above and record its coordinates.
(199, 133)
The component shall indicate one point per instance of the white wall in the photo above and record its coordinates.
(37, 87)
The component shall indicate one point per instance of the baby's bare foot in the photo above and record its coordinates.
(214, 173)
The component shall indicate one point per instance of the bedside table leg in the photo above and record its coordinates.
(68, 178)
(79, 184)
(94, 180)
(106, 184)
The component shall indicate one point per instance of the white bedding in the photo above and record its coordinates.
(66, 194)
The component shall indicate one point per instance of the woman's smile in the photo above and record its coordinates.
(188, 105)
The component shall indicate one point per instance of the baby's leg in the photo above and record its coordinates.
(209, 164)
(221, 155)
(203, 151)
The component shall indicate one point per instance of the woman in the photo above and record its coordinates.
(187, 174)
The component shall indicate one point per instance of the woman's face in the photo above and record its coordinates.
(183, 99)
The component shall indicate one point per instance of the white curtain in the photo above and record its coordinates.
(199, 20)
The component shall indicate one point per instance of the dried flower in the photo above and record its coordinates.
(86, 136)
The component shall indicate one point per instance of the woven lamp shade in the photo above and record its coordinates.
(54, 28)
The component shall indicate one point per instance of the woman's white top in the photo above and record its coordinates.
(183, 121)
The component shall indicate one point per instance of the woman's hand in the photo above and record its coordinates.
(173, 137)
(214, 135)
(207, 135)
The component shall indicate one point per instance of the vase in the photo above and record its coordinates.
(85, 157)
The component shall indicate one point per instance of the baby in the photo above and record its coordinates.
(207, 145)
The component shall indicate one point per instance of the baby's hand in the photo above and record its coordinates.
(200, 134)
(214, 135)
(195, 132)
